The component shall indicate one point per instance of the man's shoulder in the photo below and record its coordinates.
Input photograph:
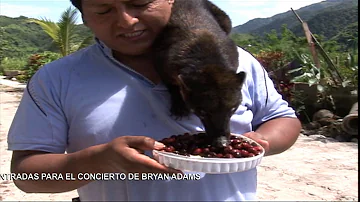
(246, 56)
(73, 60)
(62, 69)
(248, 62)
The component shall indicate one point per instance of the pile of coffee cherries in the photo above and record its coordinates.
(200, 144)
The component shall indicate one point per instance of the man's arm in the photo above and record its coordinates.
(281, 133)
(123, 154)
(39, 136)
(43, 162)
(277, 135)
(275, 125)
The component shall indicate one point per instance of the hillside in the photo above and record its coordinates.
(348, 35)
(330, 23)
(19, 38)
(328, 18)
(334, 19)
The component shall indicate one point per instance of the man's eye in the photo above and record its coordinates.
(102, 13)
(141, 4)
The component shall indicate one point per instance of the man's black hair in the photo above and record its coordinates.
(77, 4)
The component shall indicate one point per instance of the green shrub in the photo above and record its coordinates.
(13, 64)
(35, 62)
(22, 78)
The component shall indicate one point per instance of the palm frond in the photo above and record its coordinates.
(49, 27)
(86, 42)
(63, 32)
(67, 25)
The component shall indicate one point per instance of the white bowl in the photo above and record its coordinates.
(209, 165)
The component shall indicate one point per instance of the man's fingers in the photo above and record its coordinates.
(151, 164)
(140, 151)
(156, 156)
(259, 139)
(143, 143)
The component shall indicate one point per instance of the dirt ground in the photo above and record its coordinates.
(313, 169)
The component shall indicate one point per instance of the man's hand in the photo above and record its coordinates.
(276, 135)
(257, 137)
(126, 154)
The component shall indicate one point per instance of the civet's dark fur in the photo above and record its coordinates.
(197, 60)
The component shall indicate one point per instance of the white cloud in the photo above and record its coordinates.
(35, 9)
(11, 10)
(241, 11)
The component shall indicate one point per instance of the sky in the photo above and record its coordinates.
(240, 11)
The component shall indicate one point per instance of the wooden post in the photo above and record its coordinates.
(337, 61)
(310, 37)
(311, 44)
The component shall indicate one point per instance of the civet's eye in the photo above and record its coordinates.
(200, 113)
(233, 110)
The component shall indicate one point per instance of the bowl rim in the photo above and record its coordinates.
(199, 159)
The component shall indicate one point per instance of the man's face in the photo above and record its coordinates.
(127, 26)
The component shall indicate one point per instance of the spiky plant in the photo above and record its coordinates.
(63, 32)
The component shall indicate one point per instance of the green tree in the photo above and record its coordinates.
(3, 43)
(63, 32)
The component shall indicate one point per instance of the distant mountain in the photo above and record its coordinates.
(348, 36)
(327, 18)
(335, 19)
(331, 21)
(19, 38)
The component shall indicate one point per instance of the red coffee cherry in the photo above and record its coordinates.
(202, 145)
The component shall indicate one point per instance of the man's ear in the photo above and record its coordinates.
(84, 21)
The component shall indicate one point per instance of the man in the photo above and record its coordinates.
(105, 106)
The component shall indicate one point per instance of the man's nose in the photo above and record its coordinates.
(125, 17)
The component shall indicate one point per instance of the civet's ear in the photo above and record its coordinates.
(220, 16)
(241, 77)
(183, 88)
(182, 83)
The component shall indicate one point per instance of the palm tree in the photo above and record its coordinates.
(63, 32)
